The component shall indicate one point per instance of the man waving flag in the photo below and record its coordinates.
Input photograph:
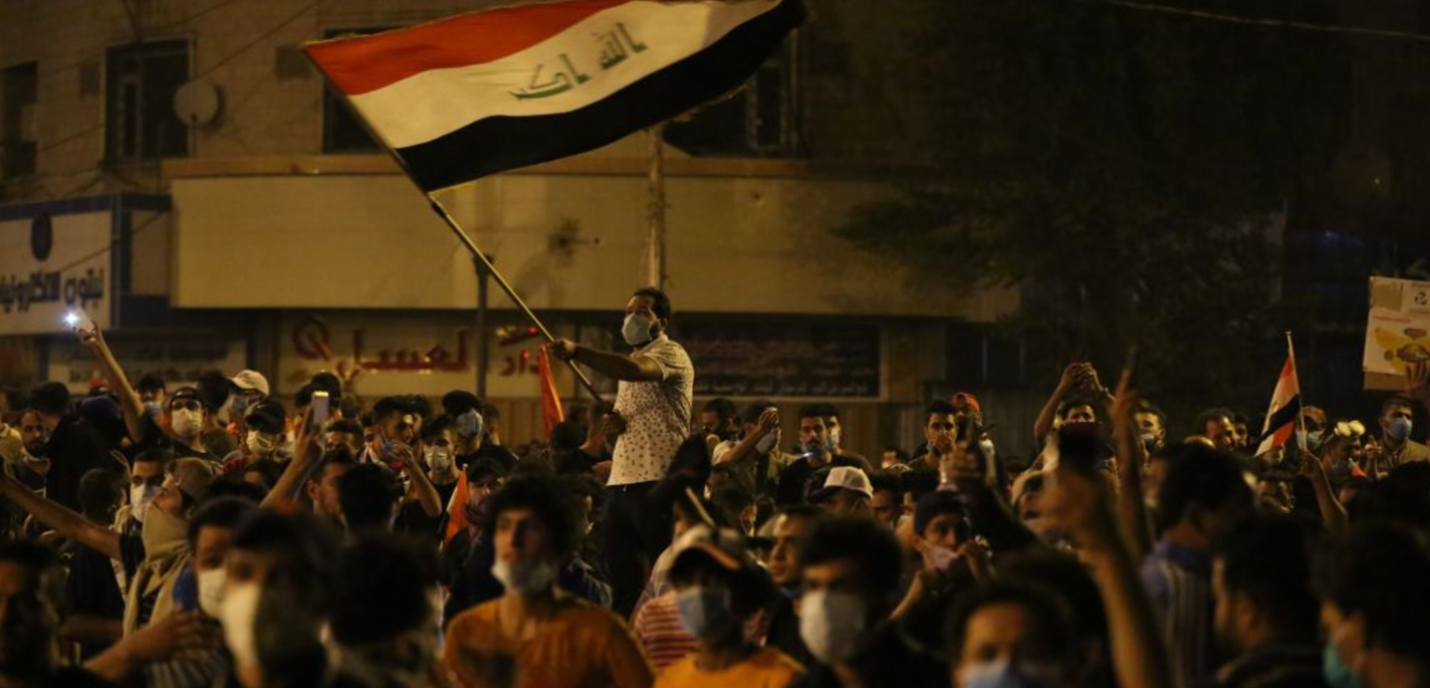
(475, 94)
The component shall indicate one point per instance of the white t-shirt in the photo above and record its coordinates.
(657, 415)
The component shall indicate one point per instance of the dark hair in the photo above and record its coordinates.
(418, 404)
(1051, 627)
(1198, 475)
(568, 435)
(306, 547)
(159, 455)
(549, 501)
(219, 512)
(753, 410)
(1397, 400)
(730, 500)
(1269, 561)
(885, 481)
(1362, 568)
(1402, 497)
(100, 490)
(490, 412)
(661, 305)
(150, 383)
(918, 483)
(268, 468)
(1066, 577)
(346, 425)
(1144, 406)
(43, 563)
(750, 586)
(812, 411)
(434, 427)
(383, 588)
(228, 486)
(1212, 415)
(722, 407)
(388, 407)
(941, 503)
(1073, 400)
(367, 494)
(51, 399)
(801, 511)
(327, 382)
(829, 410)
(939, 406)
(459, 401)
(860, 540)
(213, 390)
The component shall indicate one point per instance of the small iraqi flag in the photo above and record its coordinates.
(1285, 408)
(479, 93)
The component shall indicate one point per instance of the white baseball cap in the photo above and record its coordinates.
(251, 379)
(846, 478)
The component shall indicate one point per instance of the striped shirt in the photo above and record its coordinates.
(657, 625)
(1178, 582)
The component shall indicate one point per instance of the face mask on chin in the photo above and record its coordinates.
(705, 612)
(211, 584)
(524, 578)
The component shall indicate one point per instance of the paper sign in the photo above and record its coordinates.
(1397, 331)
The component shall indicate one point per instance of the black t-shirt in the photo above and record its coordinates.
(72, 677)
(74, 448)
(794, 479)
(414, 521)
(889, 661)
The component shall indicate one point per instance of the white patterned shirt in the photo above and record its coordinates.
(657, 415)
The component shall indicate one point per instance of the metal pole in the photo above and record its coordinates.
(655, 217)
(481, 258)
(483, 339)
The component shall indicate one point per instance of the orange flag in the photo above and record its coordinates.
(551, 413)
(457, 509)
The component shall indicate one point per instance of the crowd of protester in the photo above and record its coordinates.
(216, 535)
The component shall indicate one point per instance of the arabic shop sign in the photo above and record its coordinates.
(51, 266)
(393, 353)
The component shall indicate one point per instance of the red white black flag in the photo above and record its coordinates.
(1285, 409)
(479, 93)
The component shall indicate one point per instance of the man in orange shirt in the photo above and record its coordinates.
(535, 634)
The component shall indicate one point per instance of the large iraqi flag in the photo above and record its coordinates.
(479, 93)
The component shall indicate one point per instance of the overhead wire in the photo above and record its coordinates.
(1262, 21)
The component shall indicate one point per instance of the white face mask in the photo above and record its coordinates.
(439, 459)
(637, 329)
(238, 612)
(140, 497)
(832, 625)
(835, 434)
(768, 442)
(260, 444)
(211, 583)
(524, 579)
(187, 423)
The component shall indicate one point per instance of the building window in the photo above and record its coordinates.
(140, 84)
(343, 132)
(762, 119)
(18, 91)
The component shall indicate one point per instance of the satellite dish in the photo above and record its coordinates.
(197, 103)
